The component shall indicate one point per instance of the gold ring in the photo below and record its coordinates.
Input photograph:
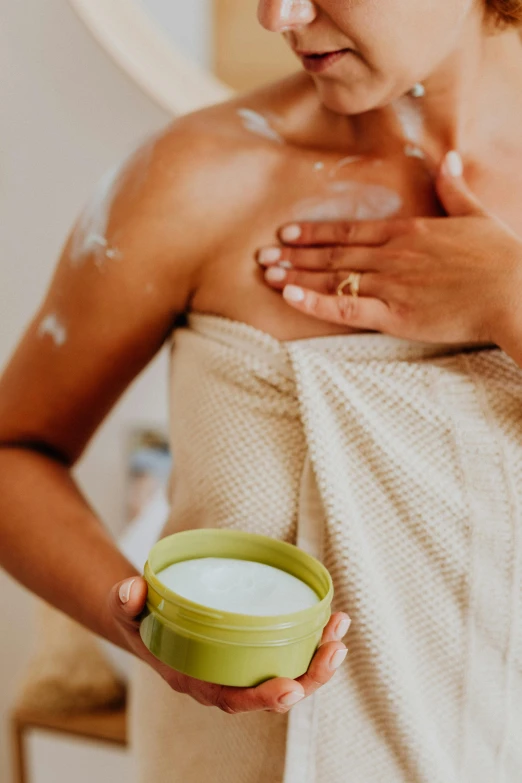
(354, 281)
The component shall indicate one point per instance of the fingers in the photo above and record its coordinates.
(364, 232)
(328, 658)
(127, 600)
(358, 313)
(329, 257)
(453, 191)
(323, 282)
(337, 628)
(277, 695)
(320, 258)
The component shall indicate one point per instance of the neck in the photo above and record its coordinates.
(472, 99)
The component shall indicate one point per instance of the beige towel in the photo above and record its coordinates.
(412, 457)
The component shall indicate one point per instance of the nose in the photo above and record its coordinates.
(280, 15)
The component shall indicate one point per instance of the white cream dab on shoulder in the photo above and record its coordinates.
(238, 586)
(258, 124)
(89, 237)
(52, 326)
(418, 91)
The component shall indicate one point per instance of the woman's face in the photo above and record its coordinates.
(382, 47)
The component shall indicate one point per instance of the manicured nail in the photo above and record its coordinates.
(453, 164)
(269, 255)
(275, 274)
(293, 293)
(289, 699)
(291, 233)
(338, 658)
(125, 590)
(343, 628)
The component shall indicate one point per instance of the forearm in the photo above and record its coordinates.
(53, 543)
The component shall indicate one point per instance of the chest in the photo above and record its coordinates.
(330, 188)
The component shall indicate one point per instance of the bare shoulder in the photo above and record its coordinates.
(182, 191)
(129, 267)
(217, 150)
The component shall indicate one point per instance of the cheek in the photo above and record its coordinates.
(400, 41)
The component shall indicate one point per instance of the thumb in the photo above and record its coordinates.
(127, 599)
(454, 194)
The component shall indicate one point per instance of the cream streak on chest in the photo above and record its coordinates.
(238, 586)
(349, 200)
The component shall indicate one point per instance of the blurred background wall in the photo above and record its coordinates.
(66, 114)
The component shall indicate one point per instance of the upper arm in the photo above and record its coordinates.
(127, 270)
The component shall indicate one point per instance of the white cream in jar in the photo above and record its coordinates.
(238, 586)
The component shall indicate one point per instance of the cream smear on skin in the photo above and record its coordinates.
(344, 162)
(409, 113)
(297, 11)
(90, 237)
(238, 586)
(350, 201)
(259, 125)
(52, 326)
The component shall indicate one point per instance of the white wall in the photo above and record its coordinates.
(194, 36)
(66, 113)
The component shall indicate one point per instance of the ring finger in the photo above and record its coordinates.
(322, 282)
(321, 258)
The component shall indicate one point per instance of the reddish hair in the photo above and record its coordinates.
(507, 11)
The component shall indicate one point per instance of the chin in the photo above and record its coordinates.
(342, 99)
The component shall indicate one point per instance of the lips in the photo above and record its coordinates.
(315, 62)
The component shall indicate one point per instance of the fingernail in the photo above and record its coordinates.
(293, 293)
(291, 233)
(343, 628)
(275, 274)
(453, 164)
(125, 590)
(286, 265)
(269, 255)
(291, 698)
(338, 658)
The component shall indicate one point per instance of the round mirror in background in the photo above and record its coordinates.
(187, 54)
(189, 26)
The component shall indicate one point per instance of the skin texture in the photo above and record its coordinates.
(412, 286)
(412, 272)
(390, 54)
(186, 216)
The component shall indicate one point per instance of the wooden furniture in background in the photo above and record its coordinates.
(108, 726)
(245, 55)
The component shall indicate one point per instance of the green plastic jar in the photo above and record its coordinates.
(223, 647)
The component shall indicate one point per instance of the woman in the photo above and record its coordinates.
(398, 462)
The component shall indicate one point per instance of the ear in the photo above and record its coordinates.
(454, 194)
